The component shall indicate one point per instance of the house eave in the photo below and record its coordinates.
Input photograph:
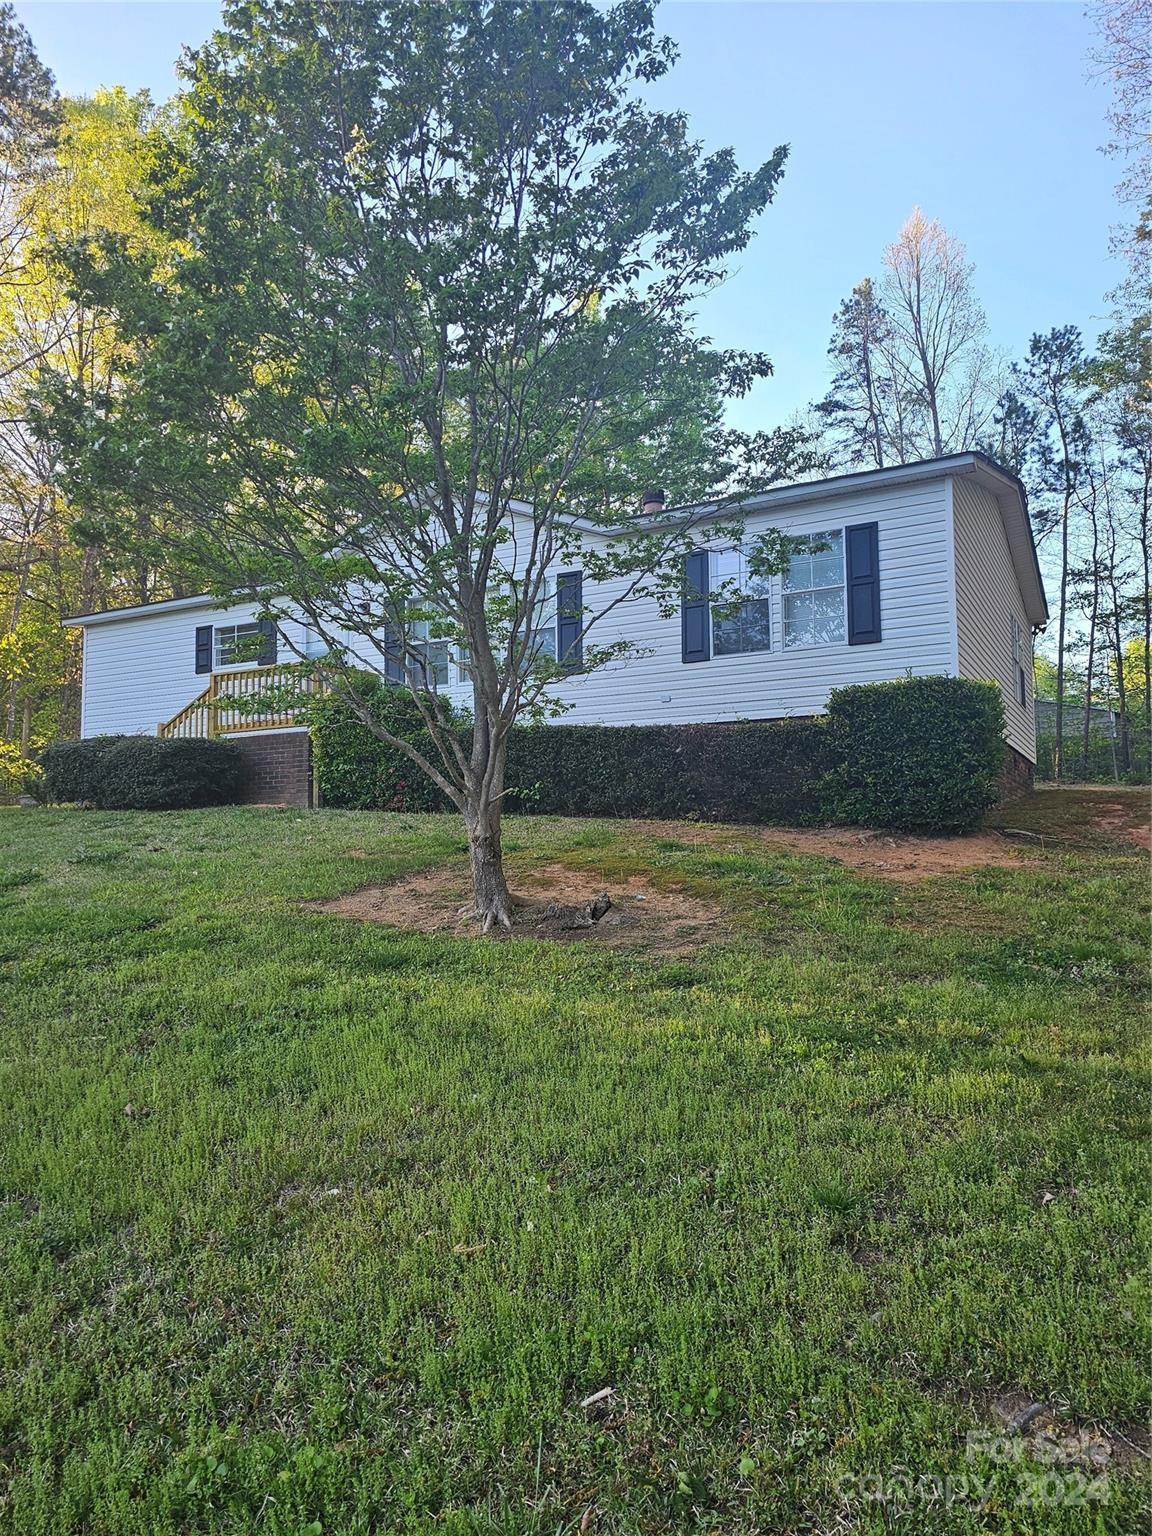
(138, 610)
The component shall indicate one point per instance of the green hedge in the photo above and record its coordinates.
(921, 754)
(761, 771)
(355, 770)
(143, 773)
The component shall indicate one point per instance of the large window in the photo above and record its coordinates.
(235, 644)
(814, 590)
(747, 626)
(312, 642)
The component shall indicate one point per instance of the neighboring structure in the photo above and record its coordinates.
(1101, 720)
(922, 569)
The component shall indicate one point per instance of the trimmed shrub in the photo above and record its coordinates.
(760, 771)
(749, 772)
(18, 774)
(920, 755)
(143, 773)
(355, 770)
(73, 771)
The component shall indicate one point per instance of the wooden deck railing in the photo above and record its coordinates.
(220, 710)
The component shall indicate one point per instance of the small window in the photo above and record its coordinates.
(1019, 663)
(236, 644)
(312, 643)
(814, 590)
(747, 627)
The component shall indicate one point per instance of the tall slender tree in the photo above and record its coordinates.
(914, 378)
(862, 409)
(1050, 382)
(84, 186)
(940, 359)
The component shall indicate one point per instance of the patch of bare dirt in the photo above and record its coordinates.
(1048, 1434)
(1117, 819)
(887, 855)
(549, 900)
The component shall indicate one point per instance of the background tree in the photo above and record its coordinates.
(862, 409)
(941, 363)
(429, 263)
(1123, 55)
(29, 106)
(84, 185)
(1049, 384)
(1122, 400)
(914, 378)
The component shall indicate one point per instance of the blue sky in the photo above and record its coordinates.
(981, 112)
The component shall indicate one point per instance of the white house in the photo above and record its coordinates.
(926, 568)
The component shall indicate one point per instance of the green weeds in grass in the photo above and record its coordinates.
(309, 1225)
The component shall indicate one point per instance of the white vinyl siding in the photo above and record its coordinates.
(657, 688)
(140, 671)
(989, 607)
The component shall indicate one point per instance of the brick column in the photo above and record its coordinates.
(279, 767)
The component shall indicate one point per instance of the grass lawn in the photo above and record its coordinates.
(313, 1225)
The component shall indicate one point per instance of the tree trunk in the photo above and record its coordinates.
(493, 904)
(483, 802)
(1093, 620)
(1060, 627)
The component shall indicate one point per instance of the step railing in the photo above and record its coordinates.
(232, 702)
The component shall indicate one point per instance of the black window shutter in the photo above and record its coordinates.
(203, 647)
(393, 655)
(570, 620)
(695, 629)
(863, 544)
(267, 655)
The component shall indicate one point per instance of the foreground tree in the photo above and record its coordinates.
(427, 321)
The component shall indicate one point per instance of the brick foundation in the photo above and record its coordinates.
(1017, 777)
(279, 767)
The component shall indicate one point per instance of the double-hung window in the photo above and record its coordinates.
(745, 625)
(1019, 663)
(235, 644)
(429, 658)
(814, 602)
(541, 625)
